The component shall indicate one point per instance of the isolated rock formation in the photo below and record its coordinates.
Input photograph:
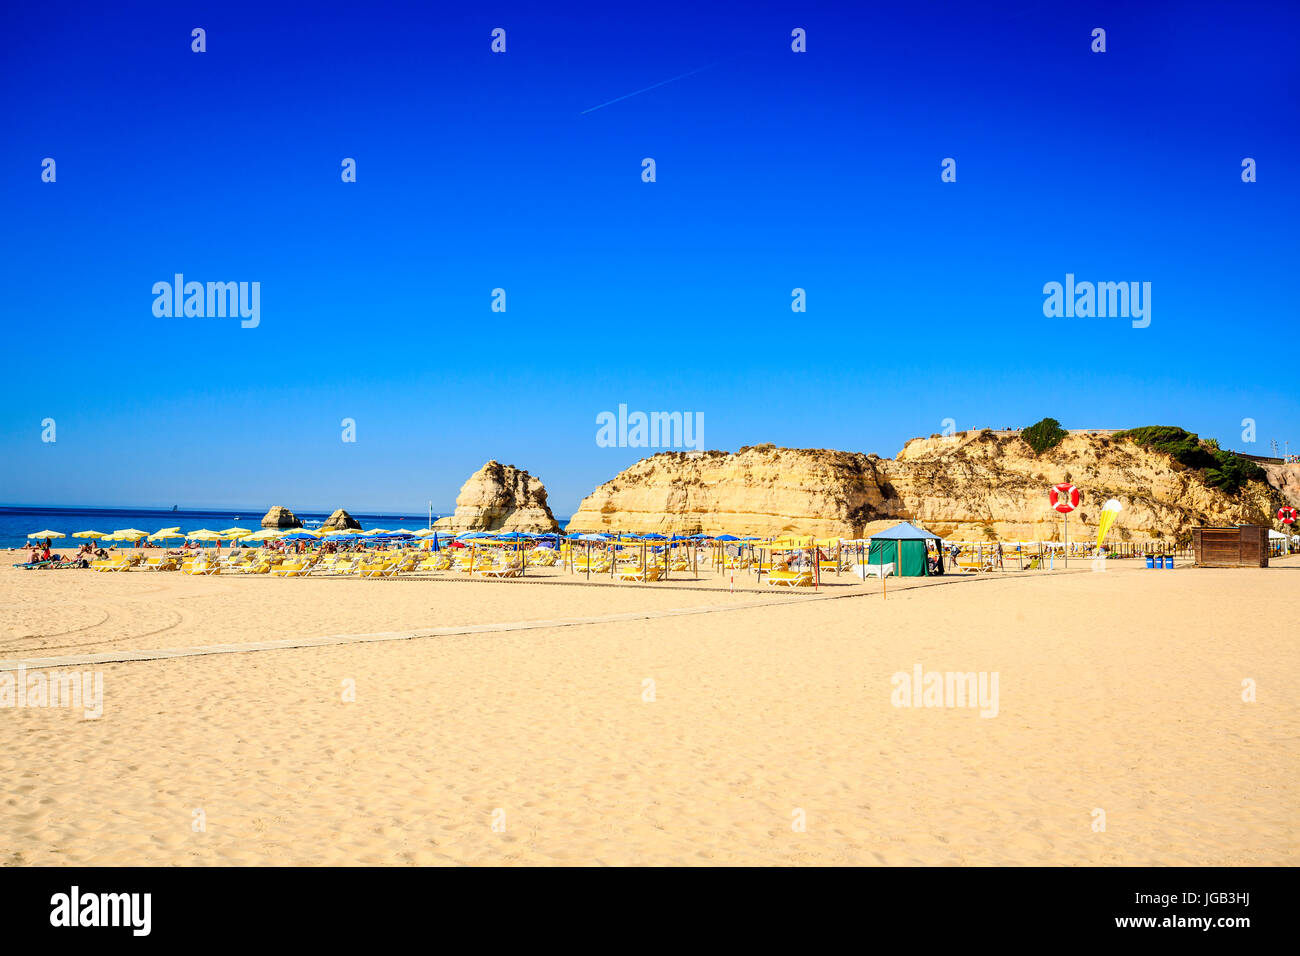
(969, 486)
(340, 520)
(500, 498)
(280, 517)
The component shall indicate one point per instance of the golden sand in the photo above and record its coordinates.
(769, 733)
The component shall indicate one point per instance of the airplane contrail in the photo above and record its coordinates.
(648, 88)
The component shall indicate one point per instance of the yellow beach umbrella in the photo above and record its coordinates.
(166, 533)
(204, 534)
(265, 534)
(89, 534)
(234, 533)
(47, 534)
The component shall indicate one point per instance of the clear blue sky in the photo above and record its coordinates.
(775, 170)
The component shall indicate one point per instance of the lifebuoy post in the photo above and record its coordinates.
(1064, 497)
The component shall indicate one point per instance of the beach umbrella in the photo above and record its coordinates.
(47, 534)
(265, 534)
(166, 533)
(296, 536)
(89, 534)
(127, 534)
(234, 533)
(204, 534)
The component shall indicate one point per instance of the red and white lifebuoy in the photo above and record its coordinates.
(1064, 497)
(1286, 514)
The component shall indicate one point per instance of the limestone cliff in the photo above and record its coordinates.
(969, 483)
(758, 490)
(1286, 479)
(500, 498)
(970, 486)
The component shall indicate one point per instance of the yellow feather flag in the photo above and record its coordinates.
(1109, 512)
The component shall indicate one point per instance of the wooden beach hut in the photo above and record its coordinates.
(1245, 546)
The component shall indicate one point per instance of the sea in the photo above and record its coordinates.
(16, 523)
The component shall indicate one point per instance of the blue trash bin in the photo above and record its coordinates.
(1169, 561)
(1151, 560)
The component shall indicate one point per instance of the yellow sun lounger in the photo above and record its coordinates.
(790, 579)
(111, 564)
(652, 573)
(381, 569)
(506, 569)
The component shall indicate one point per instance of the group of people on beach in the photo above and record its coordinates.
(42, 553)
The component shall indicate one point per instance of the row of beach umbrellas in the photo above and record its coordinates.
(234, 534)
(303, 534)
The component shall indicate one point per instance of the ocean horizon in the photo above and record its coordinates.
(18, 521)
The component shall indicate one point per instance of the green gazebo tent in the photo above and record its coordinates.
(903, 546)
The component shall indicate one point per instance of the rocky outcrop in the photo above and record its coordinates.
(970, 486)
(1285, 477)
(340, 520)
(500, 498)
(281, 517)
(758, 490)
(965, 484)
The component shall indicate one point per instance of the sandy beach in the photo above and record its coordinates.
(769, 733)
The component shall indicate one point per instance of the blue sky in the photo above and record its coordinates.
(775, 170)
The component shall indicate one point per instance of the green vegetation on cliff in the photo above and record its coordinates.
(1219, 469)
(1043, 435)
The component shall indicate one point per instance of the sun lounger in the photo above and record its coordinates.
(637, 573)
(865, 571)
(378, 569)
(507, 568)
(112, 564)
(790, 579)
